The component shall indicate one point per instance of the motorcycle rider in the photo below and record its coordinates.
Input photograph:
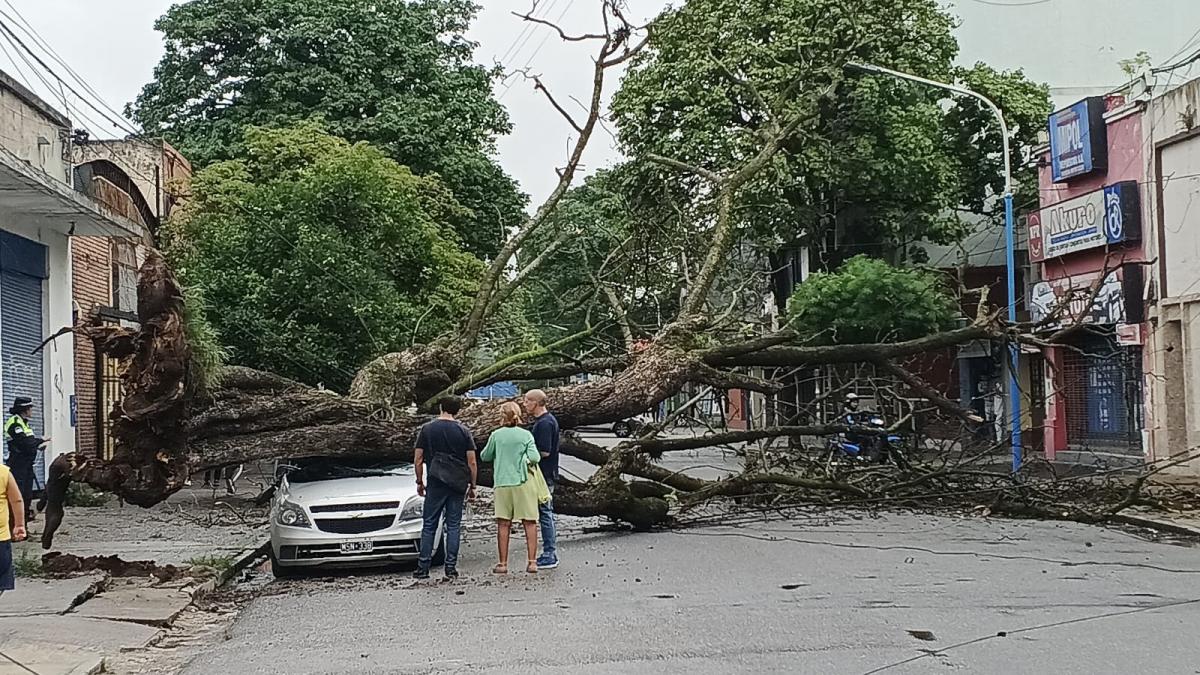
(852, 416)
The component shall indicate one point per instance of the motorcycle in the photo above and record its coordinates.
(865, 449)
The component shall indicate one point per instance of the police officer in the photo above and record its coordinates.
(22, 448)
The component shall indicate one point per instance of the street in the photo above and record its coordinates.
(815, 594)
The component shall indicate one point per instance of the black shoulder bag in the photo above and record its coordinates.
(448, 469)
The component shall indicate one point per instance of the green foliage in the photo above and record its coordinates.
(397, 73)
(879, 162)
(316, 255)
(208, 353)
(218, 563)
(867, 301)
(25, 565)
(84, 495)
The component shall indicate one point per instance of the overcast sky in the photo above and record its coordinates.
(116, 50)
(1069, 43)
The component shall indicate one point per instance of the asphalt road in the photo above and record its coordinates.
(812, 595)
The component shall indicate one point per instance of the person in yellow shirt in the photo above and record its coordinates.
(12, 525)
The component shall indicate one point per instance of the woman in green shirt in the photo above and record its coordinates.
(514, 455)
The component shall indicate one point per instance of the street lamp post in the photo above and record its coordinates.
(1014, 393)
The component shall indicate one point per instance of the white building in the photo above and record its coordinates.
(39, 213)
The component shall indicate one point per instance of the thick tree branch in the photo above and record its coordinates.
(472, 380)
(726, 380)
(827, 355)
(928, 392)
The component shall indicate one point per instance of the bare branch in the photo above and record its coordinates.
(561, 33)
(685, 167)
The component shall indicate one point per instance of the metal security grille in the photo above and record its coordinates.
(109, 393)
(22, 274)
(1103, 395)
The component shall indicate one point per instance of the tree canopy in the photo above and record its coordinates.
(869, 301)
(875, 163)
(315, 254)
(396, 73)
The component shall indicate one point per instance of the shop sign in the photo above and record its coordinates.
(1078, 140)
(1085, 298)
(1130, 335)
(1110, 215)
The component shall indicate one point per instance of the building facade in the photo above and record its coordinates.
(1172, 136)
(40, 215)
(1088, 257)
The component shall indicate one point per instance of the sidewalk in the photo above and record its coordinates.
(67, 625)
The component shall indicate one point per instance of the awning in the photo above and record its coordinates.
(494, 391)
(31, 198)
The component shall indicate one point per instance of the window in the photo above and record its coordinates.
(124, 276)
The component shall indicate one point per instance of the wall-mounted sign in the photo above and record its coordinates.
(1085, 298)
(1078, 140)
(1110, 215)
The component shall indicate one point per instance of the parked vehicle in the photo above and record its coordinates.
(631, 426)
(622, 428)
(338, 513)
(865, 448)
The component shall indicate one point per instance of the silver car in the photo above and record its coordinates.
(330, 513)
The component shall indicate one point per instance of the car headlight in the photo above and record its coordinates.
(292, 515)
(413, 509)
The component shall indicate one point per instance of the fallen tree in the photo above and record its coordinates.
(166, 427)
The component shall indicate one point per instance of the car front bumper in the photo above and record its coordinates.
(310, 547)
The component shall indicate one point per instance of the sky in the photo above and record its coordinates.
(115, 51)
(1069, 43)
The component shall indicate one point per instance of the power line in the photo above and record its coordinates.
(526, 30)
(29, 30)
(537, 49)
(120, 124)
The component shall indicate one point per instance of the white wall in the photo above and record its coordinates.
(1075, 45)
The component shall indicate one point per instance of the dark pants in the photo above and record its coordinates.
(440, 499)
(21, 465)
(546, 523)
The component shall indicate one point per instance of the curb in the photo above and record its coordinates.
(240, 562)
(90, 668)
(1156, 524)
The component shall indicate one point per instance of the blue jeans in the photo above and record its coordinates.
(440, 499)
(546, 522)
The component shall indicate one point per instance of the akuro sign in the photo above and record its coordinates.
(1110, 215)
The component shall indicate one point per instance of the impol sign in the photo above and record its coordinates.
(1078, 140)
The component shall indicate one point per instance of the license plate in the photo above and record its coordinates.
(358, 546)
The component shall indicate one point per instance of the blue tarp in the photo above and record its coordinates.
(494, 391)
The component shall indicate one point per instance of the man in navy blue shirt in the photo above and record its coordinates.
(545, 435)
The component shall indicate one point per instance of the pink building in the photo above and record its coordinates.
(1087, 254)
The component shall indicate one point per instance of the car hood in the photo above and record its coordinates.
(373, 488)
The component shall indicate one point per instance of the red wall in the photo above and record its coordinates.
(1126, 161)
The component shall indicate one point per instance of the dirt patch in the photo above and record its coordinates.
(67, 565)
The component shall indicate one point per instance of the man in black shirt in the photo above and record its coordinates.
(545, 435)
(447, 448)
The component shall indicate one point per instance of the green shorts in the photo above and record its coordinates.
(518, 502)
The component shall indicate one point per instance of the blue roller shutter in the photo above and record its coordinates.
(22, 273)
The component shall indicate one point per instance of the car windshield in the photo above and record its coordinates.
(312, 470)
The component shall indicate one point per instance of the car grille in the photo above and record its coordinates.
(355, 525)
(387, 547)
(364, 506)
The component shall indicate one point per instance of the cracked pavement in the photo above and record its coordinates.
(817, 594)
